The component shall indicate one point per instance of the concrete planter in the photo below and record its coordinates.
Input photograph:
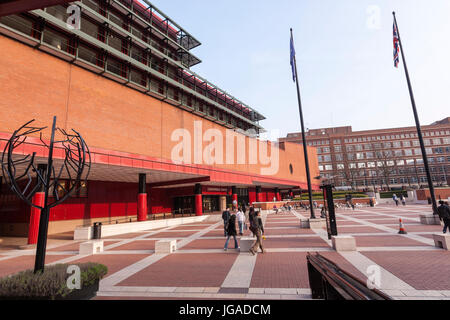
(430, 219)
(86, 293)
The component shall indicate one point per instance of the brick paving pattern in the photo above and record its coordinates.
(200, 269)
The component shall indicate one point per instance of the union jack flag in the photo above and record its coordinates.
(396, 47)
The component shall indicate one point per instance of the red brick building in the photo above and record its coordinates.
(124, 81)
(380, 159)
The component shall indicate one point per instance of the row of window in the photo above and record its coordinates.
(388, 145)
(382, 164)
(61, 40)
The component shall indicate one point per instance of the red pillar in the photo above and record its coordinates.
(33, 230)
(142, 199)
(198, 200)
(251, 196)
(234, 197)
(259, 194)
(277, 194)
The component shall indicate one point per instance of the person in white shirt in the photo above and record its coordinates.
(241, 220)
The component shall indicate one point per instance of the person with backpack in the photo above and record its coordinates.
(258, 230)
(225, 217)
(231, 232)
(444, 215)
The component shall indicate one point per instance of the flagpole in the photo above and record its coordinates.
(305, 150)
(419, 130)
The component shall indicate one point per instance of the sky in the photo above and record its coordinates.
(344, 57)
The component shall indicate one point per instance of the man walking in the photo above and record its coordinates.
(241, 220)
(444, 215)
(258, 230)
(225, 217)
(394, 197)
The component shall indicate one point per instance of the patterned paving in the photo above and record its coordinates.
(410, 265)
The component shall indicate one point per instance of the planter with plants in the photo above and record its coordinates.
(52, 283)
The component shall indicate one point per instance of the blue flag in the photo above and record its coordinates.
(294, 75)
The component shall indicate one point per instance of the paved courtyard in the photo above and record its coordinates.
(411, 267)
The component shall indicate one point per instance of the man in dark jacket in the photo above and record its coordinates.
(225, 217)
(258, 230)
(444, 215)
(231, 232)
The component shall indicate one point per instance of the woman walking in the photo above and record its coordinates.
(258, 230)
(231, 232)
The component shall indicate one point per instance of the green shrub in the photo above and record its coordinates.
(49, 284)
(388, 195)
(336, 195)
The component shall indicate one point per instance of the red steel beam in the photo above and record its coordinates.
(178, 182)
(17, 6)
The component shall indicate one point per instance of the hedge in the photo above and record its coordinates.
(51, 283)
(336, 195)
(389, 194)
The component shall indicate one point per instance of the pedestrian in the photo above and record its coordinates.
(251, 216)
(394, 197)
(275, 209)
(444, 215)
(258, 230)
(225, 217)
(241, 221)
(231, 232)
(403, 200)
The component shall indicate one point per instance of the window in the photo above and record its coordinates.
(408, 152)
(327, 158)
(436, 142)
(371, 164)
(398, 153)
(328, 167)
(320, 168)
(409, 162)
(360, 156)
(400, 162)
(352, 165)
(337, 149)
(339, 157)
(407, 144)
(369, 155)
(340, 166)
(326, 150)
(416, 143)
(397, 144)
(361, 165)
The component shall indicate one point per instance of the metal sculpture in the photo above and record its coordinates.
(49, 178)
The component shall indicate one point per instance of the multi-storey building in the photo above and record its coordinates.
(385, 158)
(120, 74)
